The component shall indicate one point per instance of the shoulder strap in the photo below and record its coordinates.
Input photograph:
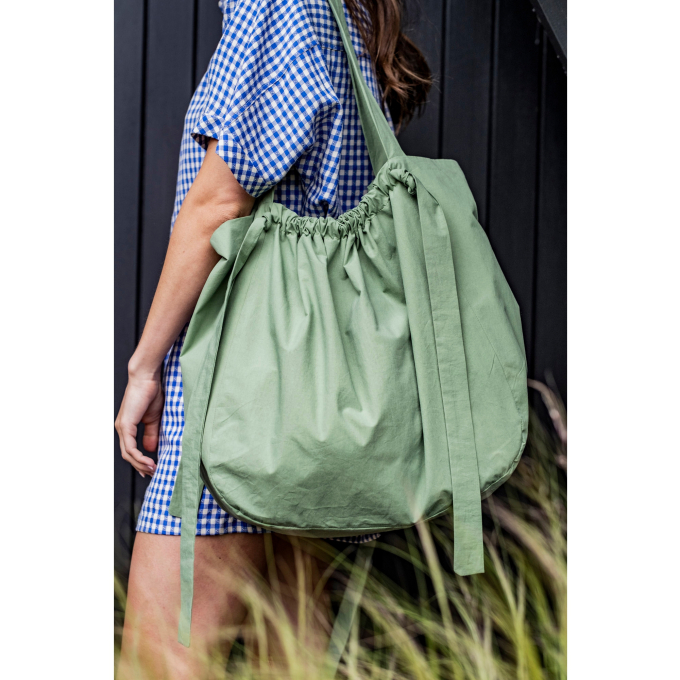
(381, 142)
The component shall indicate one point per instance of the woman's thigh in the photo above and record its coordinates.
(152, 612)
(298, 586)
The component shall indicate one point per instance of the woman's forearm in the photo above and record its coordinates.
(214, 198)
(188, 262)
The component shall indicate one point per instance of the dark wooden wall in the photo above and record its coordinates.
(498, 108)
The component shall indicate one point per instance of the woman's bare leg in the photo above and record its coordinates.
(150, 649)
(297, 628)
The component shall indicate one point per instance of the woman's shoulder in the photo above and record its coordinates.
(267, 31)
(302, 22)
(264, 44)
(268, 15)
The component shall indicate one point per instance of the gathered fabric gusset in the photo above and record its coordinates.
(354, 221)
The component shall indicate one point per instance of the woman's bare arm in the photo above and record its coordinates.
(214, 197)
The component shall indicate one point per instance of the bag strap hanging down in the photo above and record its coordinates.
(382, 146)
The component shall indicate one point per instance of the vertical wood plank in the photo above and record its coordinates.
(511, 198)
(169, 83)
(551, 272)
(208, 34)
(424, 24)
(128, 84)
(465, 91)
(553, 15)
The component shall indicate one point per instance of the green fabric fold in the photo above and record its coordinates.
(193, 432)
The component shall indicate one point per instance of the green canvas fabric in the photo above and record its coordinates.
(353, 375)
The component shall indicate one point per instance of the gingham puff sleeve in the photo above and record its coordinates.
(269, 100)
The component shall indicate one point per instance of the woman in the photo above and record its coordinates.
(275, 108)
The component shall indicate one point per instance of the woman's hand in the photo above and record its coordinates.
(142, 403)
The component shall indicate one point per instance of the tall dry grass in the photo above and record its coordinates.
(508, 623)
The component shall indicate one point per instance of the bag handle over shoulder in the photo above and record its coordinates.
(380, 140)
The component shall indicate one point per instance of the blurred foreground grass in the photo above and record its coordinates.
(508, 623)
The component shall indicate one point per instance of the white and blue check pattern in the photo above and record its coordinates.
(278, 98)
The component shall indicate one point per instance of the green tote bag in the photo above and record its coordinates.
(354, 375)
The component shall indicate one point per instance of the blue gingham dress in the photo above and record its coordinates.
(278, 98)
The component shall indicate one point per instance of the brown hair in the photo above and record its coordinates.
(400, 66)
